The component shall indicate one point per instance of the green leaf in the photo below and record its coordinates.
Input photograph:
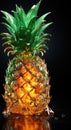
(21, 16)
(9, 28)
(40, 20)
(46, 26)
(41, 29)
(33, 11)
(10, 19)
(31, 24)
(17, 21)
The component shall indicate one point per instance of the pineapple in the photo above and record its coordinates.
(27, 87)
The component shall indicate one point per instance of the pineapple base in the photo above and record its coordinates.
(18, 110)
(15, 106)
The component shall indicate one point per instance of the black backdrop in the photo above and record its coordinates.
(57, 57)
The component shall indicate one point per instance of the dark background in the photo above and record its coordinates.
(58, 55)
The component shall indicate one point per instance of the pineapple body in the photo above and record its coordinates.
(27, 91)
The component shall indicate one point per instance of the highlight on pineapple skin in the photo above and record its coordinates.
(27, 81)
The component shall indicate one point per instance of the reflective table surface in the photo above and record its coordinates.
(59, 121)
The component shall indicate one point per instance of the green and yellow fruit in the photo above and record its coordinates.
(27, 88)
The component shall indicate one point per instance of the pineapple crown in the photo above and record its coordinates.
(25, 31)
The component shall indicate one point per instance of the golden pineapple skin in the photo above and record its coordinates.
(28, 91)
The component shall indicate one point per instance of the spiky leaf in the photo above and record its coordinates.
(26, 30)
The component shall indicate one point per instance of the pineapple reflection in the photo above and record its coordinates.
(27, 123)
